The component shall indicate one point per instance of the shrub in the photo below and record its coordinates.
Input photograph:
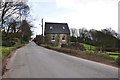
(45, 45)
(103, 55)
(64, 45)
(8, 43)
(16, 40)
(118, 61)
(77, 46)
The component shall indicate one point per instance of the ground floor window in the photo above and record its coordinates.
(63, 38)
(53, 37)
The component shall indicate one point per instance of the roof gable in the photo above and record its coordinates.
(59, 28)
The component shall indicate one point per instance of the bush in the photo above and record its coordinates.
(76, 46)
(45, 45)
(64, 45)
(118, 61)
(8, 43)
(103, 55)
(16, 40)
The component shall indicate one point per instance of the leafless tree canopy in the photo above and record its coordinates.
(12, 10)
(74, 32)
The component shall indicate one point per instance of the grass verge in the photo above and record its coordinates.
(88, 47)
(113, 56)
(6, 53)
(89, 55)
(6, 50)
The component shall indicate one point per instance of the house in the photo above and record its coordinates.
(56, 34)
(38, 39)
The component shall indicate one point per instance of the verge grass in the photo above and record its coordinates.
(113, 56)
(88, 47)
(4, 51)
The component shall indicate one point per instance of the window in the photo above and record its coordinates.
(63, 38)
(51, 27)
(53, 37)
(63, 27)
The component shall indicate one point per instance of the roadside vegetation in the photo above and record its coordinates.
(113, 56)
(100, 46)
(90, 54)
(6, 50)
(88, 47)
(15, 26)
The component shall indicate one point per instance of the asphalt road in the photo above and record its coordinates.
(33, 61)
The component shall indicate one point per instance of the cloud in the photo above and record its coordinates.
(96, 14)
(41, 0)
(91, 14)
(74, 3)
(65, 3)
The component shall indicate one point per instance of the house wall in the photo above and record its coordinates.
(58, 39)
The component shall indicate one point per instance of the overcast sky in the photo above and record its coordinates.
(90, 14)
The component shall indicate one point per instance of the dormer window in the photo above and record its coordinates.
(63, 27)
(51, 27)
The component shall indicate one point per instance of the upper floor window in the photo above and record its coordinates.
(51, 27)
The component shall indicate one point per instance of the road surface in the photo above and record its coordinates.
(32, 61)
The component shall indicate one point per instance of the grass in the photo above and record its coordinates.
(114, 57)
(89, 50)
(84, 54)
(56, 47)
(6, 50)
(0, 53)
(88, 47)
(45, 45)
(88, 54)
(113, 53)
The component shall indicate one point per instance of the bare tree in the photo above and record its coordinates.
(10, 9)
(12, 17)
(74, 32)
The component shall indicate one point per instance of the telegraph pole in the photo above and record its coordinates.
(42, 26)
(42, 30)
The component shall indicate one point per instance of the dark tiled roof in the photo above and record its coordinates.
(60, 28)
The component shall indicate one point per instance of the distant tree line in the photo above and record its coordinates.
(104, 39)
(14, 23)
